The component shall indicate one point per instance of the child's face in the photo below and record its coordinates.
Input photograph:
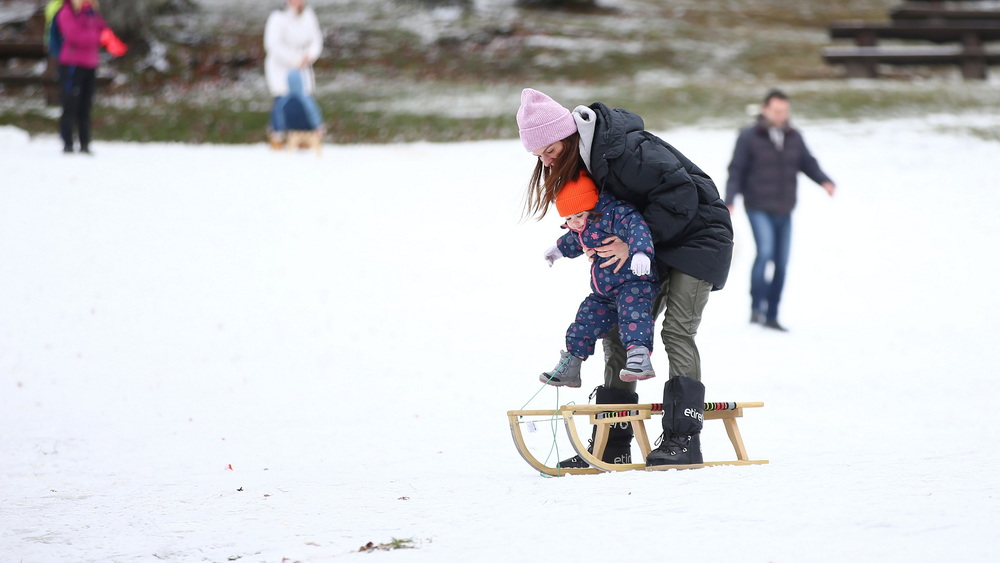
(578, 221)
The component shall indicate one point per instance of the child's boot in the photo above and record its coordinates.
(566, 373)
(637, 365)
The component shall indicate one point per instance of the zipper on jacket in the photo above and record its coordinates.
(593, 264)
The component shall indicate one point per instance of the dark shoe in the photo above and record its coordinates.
(85, 150)
(677, 450)
(756, 318)
(68, 149)
(613, 453)
(683, 418)
(619, 446)
(773, 324)
(575, 462)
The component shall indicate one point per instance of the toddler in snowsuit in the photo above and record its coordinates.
(623, 299)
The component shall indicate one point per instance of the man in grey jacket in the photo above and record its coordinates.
(766, 161)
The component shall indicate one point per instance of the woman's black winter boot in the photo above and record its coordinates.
(619, 448)
(683, 418)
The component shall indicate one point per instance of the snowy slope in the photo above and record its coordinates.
(347, 332)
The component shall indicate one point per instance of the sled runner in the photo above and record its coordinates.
(304, 140)
(604, 415)
(295, 140)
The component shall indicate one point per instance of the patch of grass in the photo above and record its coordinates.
(892, 100)
(351, 118)
(986, 133)
(192, 123)
(383, 127)
(238, 123)
(32, 121)
(682, 62)
(389, 546)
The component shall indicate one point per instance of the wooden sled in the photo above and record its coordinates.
(305, 140)
(603, 416)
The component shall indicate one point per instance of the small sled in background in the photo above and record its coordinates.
(298, 135)
(304, 140)
(603, 416)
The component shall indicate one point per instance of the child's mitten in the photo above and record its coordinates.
(553, 254)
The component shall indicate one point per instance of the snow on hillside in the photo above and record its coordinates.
(221, 353)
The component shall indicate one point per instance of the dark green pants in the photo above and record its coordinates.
(682, 299)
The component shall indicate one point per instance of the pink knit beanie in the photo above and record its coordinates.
(541, 121)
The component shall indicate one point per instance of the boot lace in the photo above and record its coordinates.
(674, 443)
(557, 371)
(563, 361)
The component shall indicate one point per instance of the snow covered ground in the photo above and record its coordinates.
(220, 353)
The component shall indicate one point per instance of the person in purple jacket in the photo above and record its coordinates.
(622, 299)
(82, 29)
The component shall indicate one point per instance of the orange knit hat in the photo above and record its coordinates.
(576, 196)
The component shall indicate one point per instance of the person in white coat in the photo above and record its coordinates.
(292, 41)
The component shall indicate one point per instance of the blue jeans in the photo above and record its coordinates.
(773, 235)
(296, 91)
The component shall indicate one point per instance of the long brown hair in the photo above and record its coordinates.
(546, 181)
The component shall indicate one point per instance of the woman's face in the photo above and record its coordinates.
(297, 5)
(550, 153)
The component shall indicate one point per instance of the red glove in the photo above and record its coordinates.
(111, 42)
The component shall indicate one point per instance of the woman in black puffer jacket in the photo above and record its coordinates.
(690, 225)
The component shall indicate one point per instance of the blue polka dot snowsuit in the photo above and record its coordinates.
(620, 299)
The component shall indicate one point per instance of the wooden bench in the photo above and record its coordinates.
(20, 56)
(21, 53)
(941, 13)
(603, 416)
(21, 50)
(966, 29)
(20, 76)
(867, 34)
(48, 81)
(862, 62)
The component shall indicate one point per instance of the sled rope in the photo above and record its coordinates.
(553, 425)
(536, 394)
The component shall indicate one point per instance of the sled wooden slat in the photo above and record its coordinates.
(515, 429)
(639, 430)
(736, 438)
(603, 416)
(618, 407)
